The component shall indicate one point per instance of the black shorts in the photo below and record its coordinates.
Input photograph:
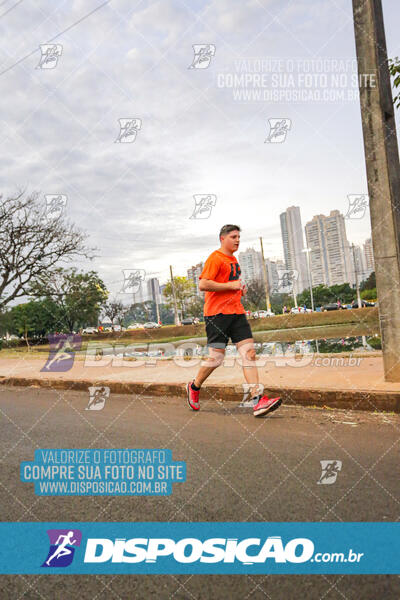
(220, 328)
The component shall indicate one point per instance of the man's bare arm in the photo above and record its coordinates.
(208, 285)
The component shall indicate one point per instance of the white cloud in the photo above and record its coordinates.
(59, 126)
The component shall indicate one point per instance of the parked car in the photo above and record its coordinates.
(135, 326)
(333, 306)
(188, 321)
(262, 314)
(354, 304)
(151, 325)
(90, 330)
(299, 309)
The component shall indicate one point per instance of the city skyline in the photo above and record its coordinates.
(331, 257)
(135, 200)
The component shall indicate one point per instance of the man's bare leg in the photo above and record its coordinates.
(262, 404)
(208, 365)
(248, 355)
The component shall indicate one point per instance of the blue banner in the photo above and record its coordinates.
(209, 548)
(103, 472)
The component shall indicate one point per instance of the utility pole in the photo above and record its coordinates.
(268, 302)
(307, 251)
(356, 274)
(174, 297)
(294, 297)
(157, 308)
(383, 172)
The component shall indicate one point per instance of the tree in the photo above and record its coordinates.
(6, 323)
(166, 314)
(184, 289)
(30, 244)
(369, 294)
(343, 292)
(369, 283)
(78, 296)
(254, 298)
(23, 320)
(149, 309)
(114, 310)
(140, 312)
(195, 306)
(35, 319)
(394, 70)
(325, 295)
(278, 301)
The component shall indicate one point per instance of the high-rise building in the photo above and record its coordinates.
(360, 264)
(250, 265)
(193, 275)
(330, 256)
(274, 269)
(369, 256)
(293, 245)
(153, 290)
(162, 289)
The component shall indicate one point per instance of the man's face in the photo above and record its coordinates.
(231, 240)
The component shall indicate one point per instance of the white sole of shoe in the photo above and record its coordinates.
(272, 407)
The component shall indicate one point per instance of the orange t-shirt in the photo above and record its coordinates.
(222, 268)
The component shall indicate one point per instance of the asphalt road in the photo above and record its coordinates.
(238, 469)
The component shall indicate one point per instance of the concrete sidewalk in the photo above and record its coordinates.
(332, 381)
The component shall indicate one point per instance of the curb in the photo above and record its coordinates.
(378, 400)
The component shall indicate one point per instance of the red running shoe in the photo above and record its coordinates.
(193, 397)
(265, 405)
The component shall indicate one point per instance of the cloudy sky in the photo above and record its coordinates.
(199, 133)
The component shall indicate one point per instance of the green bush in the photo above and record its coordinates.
(375, 342)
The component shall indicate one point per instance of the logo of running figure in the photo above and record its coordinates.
(63, 543)
(55, 204)
(248, 394)
(357, 206)
(203, 54)
(50, 53)
(62, 352)
(98, 397)
(203, 205)
(132, 280)
(330, 470)
(128, 129)
(278, 129)
(286, 281)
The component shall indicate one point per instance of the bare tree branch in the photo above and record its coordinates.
(30, 244)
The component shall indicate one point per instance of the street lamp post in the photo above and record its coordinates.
(264, 270)
(307, 251)
(359, 302)
(177, 322)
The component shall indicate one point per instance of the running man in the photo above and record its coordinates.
(62, 549)
(225, 318)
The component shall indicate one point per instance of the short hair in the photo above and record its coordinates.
(227, 229)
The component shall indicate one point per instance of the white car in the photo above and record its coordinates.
(262, 314)
(151, 325)
(135, 326)
(90, 330)
(299, 310)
